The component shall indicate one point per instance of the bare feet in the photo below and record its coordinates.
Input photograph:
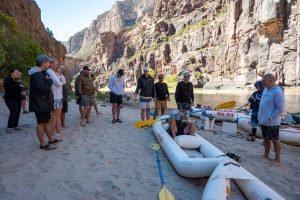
(82, 123)
(99, 113)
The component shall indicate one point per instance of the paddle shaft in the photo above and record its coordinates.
(162, 181)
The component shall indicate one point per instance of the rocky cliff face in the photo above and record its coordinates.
(225, 43)
(123, 14)
(28, 17)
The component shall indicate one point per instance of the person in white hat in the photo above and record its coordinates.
(145, 88)
(184, 90)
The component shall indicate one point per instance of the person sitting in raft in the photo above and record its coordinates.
(180, 123)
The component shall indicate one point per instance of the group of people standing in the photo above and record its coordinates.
(48, 98)
(49, 90)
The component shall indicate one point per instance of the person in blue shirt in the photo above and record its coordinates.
(254, 101)
(269, 115)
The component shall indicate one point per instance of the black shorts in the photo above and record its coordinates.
(270, 132)
(118, 99)
(65, 107)
(78, 100)
(42, 117)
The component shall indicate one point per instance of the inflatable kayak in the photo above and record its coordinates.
(287, 134)
(203, 159)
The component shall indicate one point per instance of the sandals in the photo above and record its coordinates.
(251, 139)
(116, 120)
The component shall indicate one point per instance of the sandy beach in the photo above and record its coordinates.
(115, 161)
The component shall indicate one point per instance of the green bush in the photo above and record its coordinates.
(17, 49)
(171, 78)
(152, 73)
(198, 75)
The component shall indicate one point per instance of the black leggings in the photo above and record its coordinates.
(14, 107)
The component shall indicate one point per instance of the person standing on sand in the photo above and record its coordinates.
(86, 90)
(65, 90)
(254, 101)
(13, 97)
(184, 91)
(78, 97)
(58, 81)
(93, 76)
(41, 100)
(145, 86)
(117, 87)
(269, 115)
(162, 95)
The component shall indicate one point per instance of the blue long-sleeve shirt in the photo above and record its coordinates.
(271, 106)
(116, 85)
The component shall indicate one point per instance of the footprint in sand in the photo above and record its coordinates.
(75, 186)
(107, 189)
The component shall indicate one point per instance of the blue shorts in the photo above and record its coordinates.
(87, 100)
(57, 104)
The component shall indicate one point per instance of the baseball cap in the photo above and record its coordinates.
(52, 60)
(186, 73)
(145, 68)
(86, 68)
(120, 72)
(42, 58)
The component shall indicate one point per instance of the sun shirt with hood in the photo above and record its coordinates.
(40, 95)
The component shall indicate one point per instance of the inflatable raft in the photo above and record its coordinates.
(220, 115)
(207, 160)
(287, 134)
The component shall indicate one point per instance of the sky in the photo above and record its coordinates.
(66, 17)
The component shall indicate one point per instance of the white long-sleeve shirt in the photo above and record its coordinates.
(116, 85)
(58, 81)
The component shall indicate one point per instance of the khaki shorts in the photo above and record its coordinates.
(160, 105)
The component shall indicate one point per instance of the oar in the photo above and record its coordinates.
(150, 122)
(226, 105)
(164, 193)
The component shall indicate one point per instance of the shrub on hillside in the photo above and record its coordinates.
(16, 49)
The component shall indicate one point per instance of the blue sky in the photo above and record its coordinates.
(66, 17)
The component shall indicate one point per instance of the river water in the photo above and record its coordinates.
(213, 98)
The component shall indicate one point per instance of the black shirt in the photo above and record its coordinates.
(184, 92)
(12, 89)
(161, 91)
(145, 86)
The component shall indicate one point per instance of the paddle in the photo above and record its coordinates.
(150, 122)
(164, 193)
(226, 105)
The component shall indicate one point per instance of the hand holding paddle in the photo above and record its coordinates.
(164, 193)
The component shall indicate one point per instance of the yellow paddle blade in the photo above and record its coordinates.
(165, 194)
(155, 147)
(146, 123)
(226, 105)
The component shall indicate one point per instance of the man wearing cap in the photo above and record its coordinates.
(184, 90)
(146, 88)
(86, 90)
(117, 87)
(180, 123)
(58, 81)
(41, 100)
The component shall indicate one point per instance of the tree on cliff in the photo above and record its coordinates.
(49, 32)
(17, 49)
